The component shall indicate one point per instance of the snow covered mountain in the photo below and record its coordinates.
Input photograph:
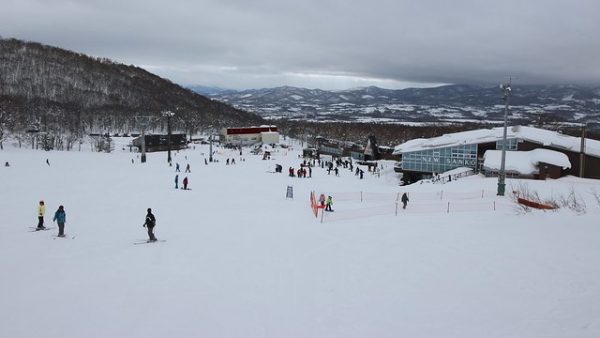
(571, 103)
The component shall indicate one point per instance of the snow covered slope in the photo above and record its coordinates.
(241, 260)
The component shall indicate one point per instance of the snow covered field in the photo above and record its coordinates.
(241, 260)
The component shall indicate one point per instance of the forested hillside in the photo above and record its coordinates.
(67, 95)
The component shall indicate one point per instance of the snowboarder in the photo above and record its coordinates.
(176, 181)
(187, 168)
(60, 218)
(41, 212)
(185, 183)
(177, 168)
(404, 200)
(328, 203)
(149, 224)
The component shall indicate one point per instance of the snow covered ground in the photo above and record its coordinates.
(241, 260)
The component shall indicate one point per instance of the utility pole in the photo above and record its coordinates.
(210, 159)
(502, 174)
(168, 114)
(582, 153)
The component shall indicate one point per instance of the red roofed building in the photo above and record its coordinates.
(250, 135)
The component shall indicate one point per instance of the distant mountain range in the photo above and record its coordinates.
(566, 103)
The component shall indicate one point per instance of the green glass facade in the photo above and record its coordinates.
(441, 159)
(512, 143)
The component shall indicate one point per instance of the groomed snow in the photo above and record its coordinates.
(241, 260)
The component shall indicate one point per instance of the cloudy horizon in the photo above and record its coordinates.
(328, 44)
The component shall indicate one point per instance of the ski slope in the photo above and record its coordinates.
(241, 260)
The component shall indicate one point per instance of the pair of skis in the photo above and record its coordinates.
(36, 229)
(149, 242)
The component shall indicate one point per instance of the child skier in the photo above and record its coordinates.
(41, 212)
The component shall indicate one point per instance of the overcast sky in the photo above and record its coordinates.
(328, 44)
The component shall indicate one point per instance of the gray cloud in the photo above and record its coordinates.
(325, 43)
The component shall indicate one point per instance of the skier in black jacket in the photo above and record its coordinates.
(404, 200)
(149, 224)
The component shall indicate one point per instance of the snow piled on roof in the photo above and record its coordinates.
(524, 162)
(544, 137)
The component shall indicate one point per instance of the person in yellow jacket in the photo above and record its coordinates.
(41, 212)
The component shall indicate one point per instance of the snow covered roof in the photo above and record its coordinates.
(541, 136)
(524, 162)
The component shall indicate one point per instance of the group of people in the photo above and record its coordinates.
(60, 217)
(326, 203)
(187, 168)
(301, 172)
(184, 182)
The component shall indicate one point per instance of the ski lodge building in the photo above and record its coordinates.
(161, 142)
(480, 150)
(250, 135)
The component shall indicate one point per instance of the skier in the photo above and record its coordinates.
(47, 162)
(7, 164)
(176, 181)
(322, 200)
(177, 168)
(404, 200)
(187, 168)
(337, 172)
(185, 183)
(41, 212)
(149, 224)
(328, 204)
(60, 218)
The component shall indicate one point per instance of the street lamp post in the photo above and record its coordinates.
(502, 174)
(210, 152)
(168, 114)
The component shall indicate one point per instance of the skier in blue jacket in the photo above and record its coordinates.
(60, 218)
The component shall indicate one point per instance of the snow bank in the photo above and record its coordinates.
(524, 162)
